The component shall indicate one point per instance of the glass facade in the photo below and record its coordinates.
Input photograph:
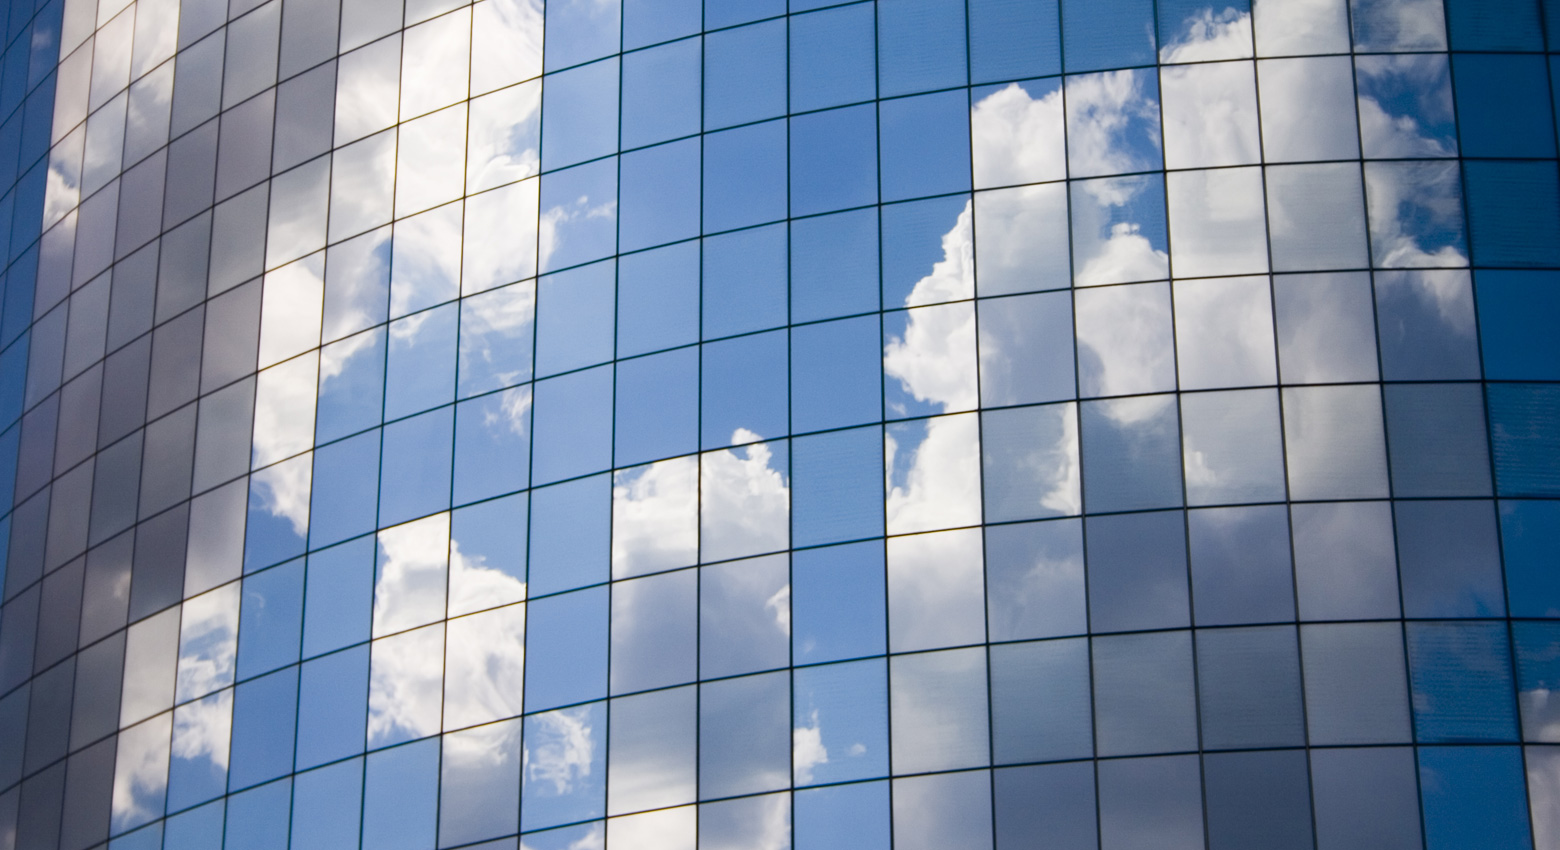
(665, 424)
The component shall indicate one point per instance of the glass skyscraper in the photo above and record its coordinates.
(665, 424)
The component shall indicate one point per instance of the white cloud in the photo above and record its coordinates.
(746, 507)
(1101, 109)
(668, 829)
(1125, 343)
(208, 642)
(434, 63)
(504, 137)
(1405, 198)
(506, 43)
(1210, 115)
(807, 749)
(141, 772)
(410, 586)
(405, 684)
(484, 666)
(1017, 138)
(1207, 35)
(1302, 26)
(203, 729)
(655, 517)
(941, 488)
(1543, 779)
(1126, 255)
(560, 749)
(936, 590)
(474, 585)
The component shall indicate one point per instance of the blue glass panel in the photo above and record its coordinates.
(421, 368)
(581, 205)
(574, 318)
(1461, 675)
(580, 30)
(197, 770)
(1525, 431)
(652, 21)
(415, 466)
(1530, 542)
(1258, 800)
(401, 797)
(732, 12)
(1131, 454)
(1449, 559)
(1040, 701)
(1474, 797)
(1514, 213)
(832, 59)
(744, 281)
(920, 46)
(744, 176)
(1494, 25)
(658, 299)
(496, 329)
(836, 373)
(257, 819)
(1137, 571)
(563, 783)
(659, 195)
(661, 91)
(570, 525)
(838, 602)
(492, 445)
(657, 407)
(844, 817)
(269, 535)
(573, 425)
(913, 243)
(1240, 565)
(1426, 325)
(744, 74)
(566, 648)
(327, 807)
(346, 490)
(270, 624)
(339, 597)
(1366, 798)
(1012, 39)
(263, 725)
(837, 487)
(352, 385)
(744, 389)
(1503, 106)
(925, 145)
(1099, 34)
(1053, 803)
(332, 707)
(840, 722)
(1518, 312)
(834, 265)
(198, 829)
(833, 160)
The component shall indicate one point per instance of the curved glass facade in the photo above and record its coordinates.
(660, 425)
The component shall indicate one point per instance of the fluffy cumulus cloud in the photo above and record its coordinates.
(720, 505)
(1018, 138)
(668, 829)
(934, 361)
(655, 517)
(477, 665)
(1207, 36)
